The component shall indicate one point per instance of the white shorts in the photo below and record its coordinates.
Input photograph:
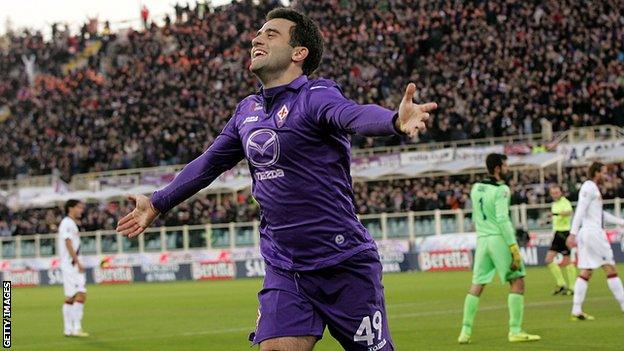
(73, 281)
(594, 250)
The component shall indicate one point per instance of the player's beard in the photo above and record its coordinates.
(505, 177)
(272, 67)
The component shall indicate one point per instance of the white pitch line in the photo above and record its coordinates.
(250, 329)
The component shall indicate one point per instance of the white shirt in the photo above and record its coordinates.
(67, 230)
(589, 213)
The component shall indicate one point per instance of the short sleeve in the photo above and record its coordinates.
(66, 231)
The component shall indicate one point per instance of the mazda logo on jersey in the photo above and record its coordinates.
(263, 148)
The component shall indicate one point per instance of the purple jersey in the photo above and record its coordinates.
(294, 138)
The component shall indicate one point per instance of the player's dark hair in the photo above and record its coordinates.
(494, 160)
(555, 186)
(594, 168)
(304, 33)
(71, 203)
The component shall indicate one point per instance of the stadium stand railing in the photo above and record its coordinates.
(85, 180)
(33, 181)
(603, 132)
(405, 225)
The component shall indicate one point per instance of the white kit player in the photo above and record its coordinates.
(74, 277)
(593, 248)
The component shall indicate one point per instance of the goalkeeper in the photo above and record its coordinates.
(497, 250)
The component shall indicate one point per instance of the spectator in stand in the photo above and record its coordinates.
(145, 16)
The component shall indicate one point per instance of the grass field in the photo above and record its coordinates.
(424, 313)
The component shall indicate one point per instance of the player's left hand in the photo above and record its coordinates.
(135, 222)
(412, 117)
(571, 241)
(516, 258)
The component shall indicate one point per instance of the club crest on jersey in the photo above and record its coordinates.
(281, 115)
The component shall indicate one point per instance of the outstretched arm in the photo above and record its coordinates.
(328, 107)
(224, 153)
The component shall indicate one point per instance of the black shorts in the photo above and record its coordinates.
(559, 243)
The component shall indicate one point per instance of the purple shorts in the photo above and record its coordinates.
(347, 298)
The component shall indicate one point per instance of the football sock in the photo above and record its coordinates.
(515, 302)
(67, 318)
(471, 303)
(556, 272)
(572, 273)
(615, 284)
(78, 311)
(580, 289)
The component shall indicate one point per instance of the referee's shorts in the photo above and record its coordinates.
(559, 243)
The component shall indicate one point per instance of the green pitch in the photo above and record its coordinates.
(425, 311)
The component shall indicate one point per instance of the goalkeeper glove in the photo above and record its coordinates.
(515, 257)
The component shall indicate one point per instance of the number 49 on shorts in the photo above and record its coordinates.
(367, 332)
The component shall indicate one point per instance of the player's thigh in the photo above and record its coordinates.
(283, 311)
(350, 297)
(289, 343)
(501, 256)
(80, 281)
(71, 281)
(594, 251)
(609, 270)
(483, 269)
(550, 255)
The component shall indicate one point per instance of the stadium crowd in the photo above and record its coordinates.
(160, 95)
(422, 194)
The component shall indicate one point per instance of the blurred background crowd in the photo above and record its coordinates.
(98, 100)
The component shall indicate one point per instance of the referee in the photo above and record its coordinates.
(561, 210)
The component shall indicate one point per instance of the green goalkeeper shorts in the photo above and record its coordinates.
(493, 255)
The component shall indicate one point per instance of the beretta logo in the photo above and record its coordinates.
(22, 277)
(113, 275)
(213, 270)
(445, 260)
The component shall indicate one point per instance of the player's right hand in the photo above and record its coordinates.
(135, 222)
(516, 259)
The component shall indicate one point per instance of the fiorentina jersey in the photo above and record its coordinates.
(295, 140)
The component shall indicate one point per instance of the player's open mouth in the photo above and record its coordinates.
(257, 53)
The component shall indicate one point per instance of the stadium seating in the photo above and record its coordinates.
(170, 103)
